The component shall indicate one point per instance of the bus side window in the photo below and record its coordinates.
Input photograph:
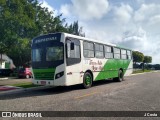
(108, 52)
(88, 49)
(129, 54)
(117, 53)
(123, 54)
(99, 51)
(68, 50)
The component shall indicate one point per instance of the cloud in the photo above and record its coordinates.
(135, 25)
(154, 20)
(122, 13)
(146, 11)
(44, 4)
(135, 40)
(86, 9)
(142, 41)
(139, 2)
(153, 25)
(65, 10)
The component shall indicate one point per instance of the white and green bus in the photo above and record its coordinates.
(62, 59)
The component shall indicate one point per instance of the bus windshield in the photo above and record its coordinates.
(47, 52)
(54, 53)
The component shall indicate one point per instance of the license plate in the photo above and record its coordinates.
(43, 82)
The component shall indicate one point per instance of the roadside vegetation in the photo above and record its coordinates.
(140, 61)
(141, 71)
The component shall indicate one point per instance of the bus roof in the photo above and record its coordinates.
(93, 40)
(123, 47)
(87, 39)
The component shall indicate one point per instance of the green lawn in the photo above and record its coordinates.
(141, 71)
(25, 85)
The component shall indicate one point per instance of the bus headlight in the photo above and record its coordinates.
(58, 75)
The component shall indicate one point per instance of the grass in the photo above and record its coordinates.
(141, 71)
(2, 76)
(25, 85)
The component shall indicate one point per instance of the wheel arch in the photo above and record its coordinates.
(121, 69)
(89, 71)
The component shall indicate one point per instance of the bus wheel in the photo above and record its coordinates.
(87, 80)
(120, 77)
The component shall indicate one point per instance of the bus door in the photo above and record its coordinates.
(73, 60)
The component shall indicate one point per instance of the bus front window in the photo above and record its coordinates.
(54, 53)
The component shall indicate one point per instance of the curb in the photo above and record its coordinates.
(24, 90)
(6, 78)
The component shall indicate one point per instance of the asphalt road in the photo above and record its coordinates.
(136, 93)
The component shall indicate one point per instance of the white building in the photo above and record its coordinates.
(6, 62)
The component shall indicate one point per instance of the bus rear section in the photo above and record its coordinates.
(48, 60)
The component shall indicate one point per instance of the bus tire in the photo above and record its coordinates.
(87, 80)
(120, 77)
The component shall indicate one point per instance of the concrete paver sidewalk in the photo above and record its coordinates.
(6, 88)
(6, 82)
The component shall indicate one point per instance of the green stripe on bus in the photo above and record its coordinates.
(44, 74)
(111, 68)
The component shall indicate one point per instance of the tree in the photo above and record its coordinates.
(21, 21)
(75, 29)
(18, 27)
(147, 59)
(21, 53)
(16, 18)
(157, 66)
(137, 57)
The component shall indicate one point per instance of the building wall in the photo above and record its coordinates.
(5, 65)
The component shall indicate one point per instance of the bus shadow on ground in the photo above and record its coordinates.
(51, 91)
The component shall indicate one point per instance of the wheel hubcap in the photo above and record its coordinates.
(88, 80)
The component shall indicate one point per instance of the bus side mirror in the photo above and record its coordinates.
(72, 46)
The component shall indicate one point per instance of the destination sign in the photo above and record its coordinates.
(45, 40)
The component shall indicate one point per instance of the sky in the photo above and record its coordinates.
(134, 24)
